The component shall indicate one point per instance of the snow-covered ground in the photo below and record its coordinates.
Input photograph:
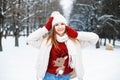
(18, 63)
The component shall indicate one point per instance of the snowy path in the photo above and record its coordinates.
(18, 63)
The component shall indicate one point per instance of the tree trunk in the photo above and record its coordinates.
(105, 41)
(27, 30)
(16, 37)
(98, 44)
(1, 49)
(114, 42)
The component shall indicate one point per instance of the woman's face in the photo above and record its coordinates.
(60, 28)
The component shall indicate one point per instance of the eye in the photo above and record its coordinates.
(62, 24)
(56, 24)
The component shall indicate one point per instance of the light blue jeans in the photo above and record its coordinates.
(49, 76)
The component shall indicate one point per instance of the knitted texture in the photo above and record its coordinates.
(71, 32)
(48, 25)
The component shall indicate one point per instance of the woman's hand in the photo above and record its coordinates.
(48, 25)
(71, 32)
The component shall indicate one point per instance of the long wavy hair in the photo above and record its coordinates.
(52, 36)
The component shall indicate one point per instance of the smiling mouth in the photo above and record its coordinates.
(60, 29)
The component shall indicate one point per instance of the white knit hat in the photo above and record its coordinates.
(58, 18)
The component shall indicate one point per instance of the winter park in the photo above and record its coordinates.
(19, 18)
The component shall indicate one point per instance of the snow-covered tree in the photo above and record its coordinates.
(111, 7)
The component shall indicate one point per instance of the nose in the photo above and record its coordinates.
(59, 25)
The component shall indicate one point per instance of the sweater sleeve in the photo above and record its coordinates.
(35, 38)
(87, 38)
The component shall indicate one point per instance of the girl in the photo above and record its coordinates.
(60, 49)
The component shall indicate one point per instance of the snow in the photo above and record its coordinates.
(18, 63)
(104, 17)
(67, 7)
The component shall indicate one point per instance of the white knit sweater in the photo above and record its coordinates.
(36, 39)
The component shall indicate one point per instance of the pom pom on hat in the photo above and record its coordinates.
(58, 18)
